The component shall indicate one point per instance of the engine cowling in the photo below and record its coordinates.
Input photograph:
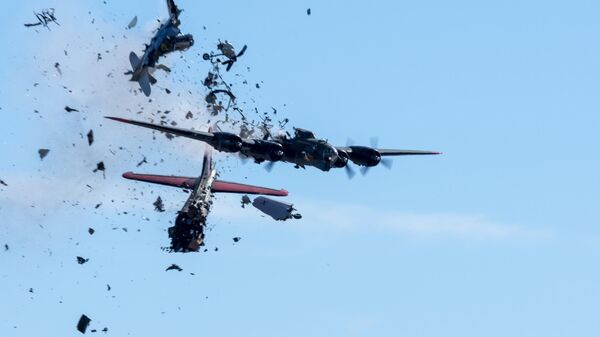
(342, 159)
(262, 150)
(226, 142)
(364, 156)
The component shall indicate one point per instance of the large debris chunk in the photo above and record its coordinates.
(90, 137)
(133, 22)
(82, 260)
(278, 210)
(83, 323)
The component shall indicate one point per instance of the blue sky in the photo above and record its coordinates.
(499, 236)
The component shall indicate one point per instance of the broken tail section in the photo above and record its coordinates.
(140, 74)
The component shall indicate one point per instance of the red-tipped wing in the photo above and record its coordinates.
(228, 187)
(183, 182)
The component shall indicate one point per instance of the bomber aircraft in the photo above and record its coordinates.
(167, 39)
(304, 149)
(187, 235)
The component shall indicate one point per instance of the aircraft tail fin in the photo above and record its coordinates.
(144, 81)
(134, 60)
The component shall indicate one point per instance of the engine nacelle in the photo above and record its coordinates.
(226, 142)
(342, 159)
(262, 150)
(364, 156)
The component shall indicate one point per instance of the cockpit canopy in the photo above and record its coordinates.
(303, 134)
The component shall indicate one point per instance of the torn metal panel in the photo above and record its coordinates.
(83, 323)
(278, 210)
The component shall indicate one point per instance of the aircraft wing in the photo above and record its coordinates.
(198, 135)
(388, 152)
(182, 182)
(229, 187)
(393, 152)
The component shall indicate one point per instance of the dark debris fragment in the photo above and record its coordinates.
(83, 323)
(69, 109)
(3, 183)
(142, 162)
(174, 267)
(91, 231)
(236, 239)
(82, 260)
(43, 153)
(100, 167)
(90, 137)
(6, 247)
(159, 206)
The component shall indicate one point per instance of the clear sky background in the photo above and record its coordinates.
(497, 237)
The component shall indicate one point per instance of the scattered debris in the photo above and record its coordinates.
(43, 153)
(44, 18)
(82, 260)
(159, 206)
(31, 290)
(83, 323)
(189, 115)
(69, 109)
(100, 167)
(3, 183)
(174, 267)
(133, 22)
(108, 288)
(236, 239)
(308, 11)
(227, 50)
(98, 205)
(91, 231)
(90, 137)
(6, 247)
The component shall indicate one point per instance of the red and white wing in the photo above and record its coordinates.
(182, 182)
(229, 187)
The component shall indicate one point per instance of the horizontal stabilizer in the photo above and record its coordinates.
(182, 182)
(228, 187)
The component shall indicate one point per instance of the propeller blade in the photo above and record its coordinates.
(269, 166)
(364, 170)
(349, 171)
(243, 158)
(242, 51)
(374, 142)
(387, 163)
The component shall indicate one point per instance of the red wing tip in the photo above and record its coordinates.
(284, 193)
(128, 175)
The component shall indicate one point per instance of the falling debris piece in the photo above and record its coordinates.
(90, 137)
(31, 290)
(98, 205)
(57, 66)
(308, 11)
(246, 201)
(43, 153)
(236, 239)
(144, 161)
(82, 260)
(108, 288)
(91, 231)
(6, 247)
(69, 109)
(278, 210)
(44, 18)
(83, 323)
(189, 115)
(133, 22)
(100, 167)
(174, 267)
(159, 206)
(3, 183)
